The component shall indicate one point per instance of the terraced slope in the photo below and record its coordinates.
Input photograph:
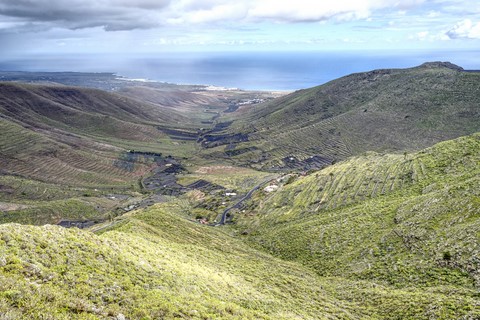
(155, 264)
(71, 161)
(46, 99)
(81, 110)
(75, 136)
(67, 148)
(406, 221)
(382, 110)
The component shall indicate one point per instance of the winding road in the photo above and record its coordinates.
(246, 197)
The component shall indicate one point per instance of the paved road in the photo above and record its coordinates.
(246, 197)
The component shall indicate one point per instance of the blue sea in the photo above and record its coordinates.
(244, 70)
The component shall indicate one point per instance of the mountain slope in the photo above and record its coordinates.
(76, 136)
(377, 236)
(381, 110)
(68, 146)
(64, 143)
(155, 264)
(406, 221)
(87, 111)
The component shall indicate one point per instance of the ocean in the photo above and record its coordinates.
(244, 70)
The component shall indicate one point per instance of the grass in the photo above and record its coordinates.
(156, 264)
(73, 161)
(233, 178)
(395, 238)
(382, 110)
(423, 233)
(52, 212)
(376, 236)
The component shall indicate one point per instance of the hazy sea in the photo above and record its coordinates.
(244, 70)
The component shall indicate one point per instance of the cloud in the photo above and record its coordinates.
(285, 10)
(115, 15)
(465, 29)
(457, 7)
(433, 14)
(429, 36)
(77, 14)
(209, 11)
(306, 10)
(422, 35)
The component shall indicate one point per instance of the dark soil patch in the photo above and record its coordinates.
(180, 135)
(232, 108)
(81, 224)
(232, 152)
(128, 159)
(205, 186)
(6, 189)
(221, 126)
(164, 179)
(211, 141)
(231, 146)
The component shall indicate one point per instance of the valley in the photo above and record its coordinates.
(356, 199)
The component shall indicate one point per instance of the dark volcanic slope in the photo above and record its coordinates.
(381, 110)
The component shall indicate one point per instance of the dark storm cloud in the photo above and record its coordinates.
(76, 14)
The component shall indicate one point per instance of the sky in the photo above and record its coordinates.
(150, 26)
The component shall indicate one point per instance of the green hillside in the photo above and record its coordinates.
(404, 221)
(373, 237)
(387, 110)
(376, 235)
(155, 264)
(152, 265)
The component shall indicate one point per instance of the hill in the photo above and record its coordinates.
(71, 152)
(405, 221)
(155, 264)
(67, 147)
(390, 110)
(87, 111)
(75, 136)
(374, 236)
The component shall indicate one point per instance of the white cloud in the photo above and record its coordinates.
(142, 14)
(10, 23)
(429, 36)
(458, 7)
(307, 10)
(422, 35)
(213, 12)
(433, 14)
(465, 29)
(304, 10)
